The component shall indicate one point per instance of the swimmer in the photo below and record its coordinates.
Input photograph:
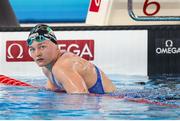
(65, 71)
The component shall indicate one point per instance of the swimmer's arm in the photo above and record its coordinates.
(72, 81)
(49, 84)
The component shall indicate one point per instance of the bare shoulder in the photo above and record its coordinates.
(69, 61)
(68, 55)
(67, 58)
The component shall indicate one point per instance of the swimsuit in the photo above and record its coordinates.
(56, 83)
(96, 88)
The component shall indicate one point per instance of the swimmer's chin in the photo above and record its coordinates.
(41, 64)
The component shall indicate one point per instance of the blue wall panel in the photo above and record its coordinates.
(30, 11)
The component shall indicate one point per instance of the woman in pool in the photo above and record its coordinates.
(65, 71)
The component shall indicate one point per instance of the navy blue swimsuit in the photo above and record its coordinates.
(96, 88)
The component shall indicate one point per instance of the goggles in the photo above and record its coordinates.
(40, 38)
(41, 35)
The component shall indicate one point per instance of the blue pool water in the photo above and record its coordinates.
(39, 104)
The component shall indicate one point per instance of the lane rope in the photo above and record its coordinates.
(14, 82)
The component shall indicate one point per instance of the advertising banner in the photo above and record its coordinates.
(163, 52)
(115, 52)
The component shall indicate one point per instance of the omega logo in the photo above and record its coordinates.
(168, 49)
(18, 50)
(169, 43)
(11, 54)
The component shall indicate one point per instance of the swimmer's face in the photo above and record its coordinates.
(44, 53)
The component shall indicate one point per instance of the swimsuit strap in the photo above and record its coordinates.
(55, 82)
(98, 74)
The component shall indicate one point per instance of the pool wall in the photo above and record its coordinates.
(115, 52)
(125, 50)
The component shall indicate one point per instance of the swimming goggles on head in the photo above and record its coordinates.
(40, 35)
(40, 38)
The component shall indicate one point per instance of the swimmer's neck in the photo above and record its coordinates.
(50, 65)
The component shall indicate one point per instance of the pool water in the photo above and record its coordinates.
(24, 103)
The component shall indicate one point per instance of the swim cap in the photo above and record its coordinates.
(40, 33)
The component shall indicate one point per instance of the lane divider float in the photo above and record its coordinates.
(14, 82)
